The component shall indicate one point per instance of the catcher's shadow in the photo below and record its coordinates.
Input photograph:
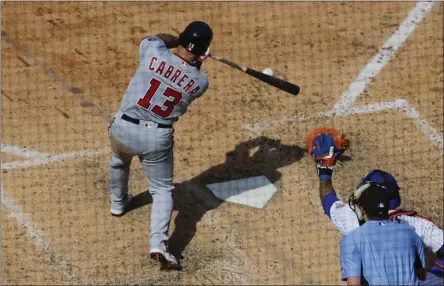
(260, 156)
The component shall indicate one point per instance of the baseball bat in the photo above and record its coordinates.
(271, 80)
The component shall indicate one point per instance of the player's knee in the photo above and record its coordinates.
(117, 163)
(165, 189)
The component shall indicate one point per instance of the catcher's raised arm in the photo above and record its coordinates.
(327, 145)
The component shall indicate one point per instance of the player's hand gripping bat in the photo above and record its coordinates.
(271, 80)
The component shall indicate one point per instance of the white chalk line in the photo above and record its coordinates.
(41, 242)
(37, 158)
(258, 127)
(344, 106)
(404, 107)
(43, 160)
(24, 152)
(372, 108)
(23, 220)
(385, 53)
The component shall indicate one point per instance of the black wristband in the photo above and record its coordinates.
(325, 171)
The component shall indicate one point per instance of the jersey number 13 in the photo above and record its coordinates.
(173, 99)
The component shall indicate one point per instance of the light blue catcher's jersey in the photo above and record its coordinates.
(383, 252)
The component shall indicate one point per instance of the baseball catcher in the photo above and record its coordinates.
(325, 146)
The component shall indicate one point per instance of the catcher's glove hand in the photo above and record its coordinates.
(326, 145)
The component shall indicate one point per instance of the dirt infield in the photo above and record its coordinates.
(66, 65)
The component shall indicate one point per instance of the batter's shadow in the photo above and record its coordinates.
(192, 199)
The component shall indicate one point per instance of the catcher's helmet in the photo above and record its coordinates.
(380, 179)
(196, 38)
(375, 200)
(386, 181)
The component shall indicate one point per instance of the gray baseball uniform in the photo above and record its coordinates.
(160, 91)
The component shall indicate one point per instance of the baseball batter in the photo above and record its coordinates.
(326, 146)
(164, 84)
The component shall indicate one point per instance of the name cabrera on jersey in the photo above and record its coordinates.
(163, 85)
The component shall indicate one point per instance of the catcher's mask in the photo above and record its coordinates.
(373, 197)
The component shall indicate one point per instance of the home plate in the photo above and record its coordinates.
(253, 192)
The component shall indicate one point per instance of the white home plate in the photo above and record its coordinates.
(253, 192)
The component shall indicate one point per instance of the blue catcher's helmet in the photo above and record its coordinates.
(386, 181)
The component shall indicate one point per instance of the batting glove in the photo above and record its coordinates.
(204, 56)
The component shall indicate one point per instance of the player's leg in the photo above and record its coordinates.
(432, 279)
(119, 177)
(158, 166)
(119, 167)
(160, 180)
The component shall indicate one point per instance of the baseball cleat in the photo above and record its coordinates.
(166, 259)
(120, 210)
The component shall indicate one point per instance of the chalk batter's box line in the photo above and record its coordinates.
(344, 106)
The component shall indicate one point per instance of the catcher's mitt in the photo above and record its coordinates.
(326, 145)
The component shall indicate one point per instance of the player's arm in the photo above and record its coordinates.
(350, 260)
(420, 267)
(158, 42)
(432, 236)
(421, 273)
(354, 281)
(169, 40)
(438, 265)
(327, 193)
(325, 146)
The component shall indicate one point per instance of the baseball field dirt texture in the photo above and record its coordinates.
(372, 70)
